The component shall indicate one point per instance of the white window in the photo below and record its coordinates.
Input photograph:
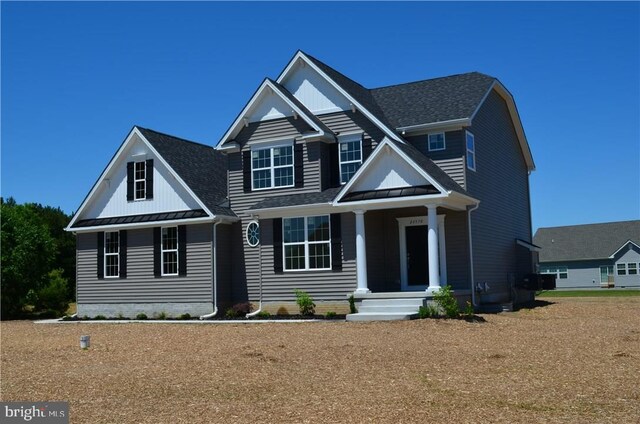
(169, 252)
(253, 233)
(350, 156)
(140, 180)
(471, 151)
(437, 142)
(112, 254)
(306, 243)
(622, 269)
(272, 167)
(632, 268)
(561, 272)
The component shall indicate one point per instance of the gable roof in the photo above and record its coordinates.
(582, 242)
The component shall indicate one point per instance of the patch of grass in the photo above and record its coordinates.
(589, 293)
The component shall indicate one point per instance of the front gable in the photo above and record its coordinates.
(108, 197)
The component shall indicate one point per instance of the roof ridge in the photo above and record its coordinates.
(590, 224)
(430, 79)
(174, 137)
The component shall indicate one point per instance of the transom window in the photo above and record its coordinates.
(140, 180)
(169, 252)
(350, 156)
(436, 142)
(111, 254)
(471, 151)
(272, 167)
(561, 272)
(306, 243)
(253, 233)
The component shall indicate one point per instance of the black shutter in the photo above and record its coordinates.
(246, 170)
(334, 165)
(100, 255)
(182, 250)
(366, 148)
(157, 240)
(336, 242)
(277, 245)
(149, 179)
(129, 181)
(298, 162)
(123, 253)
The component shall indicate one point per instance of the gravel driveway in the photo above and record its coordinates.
(576, 360)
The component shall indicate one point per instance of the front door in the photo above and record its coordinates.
(417, 263)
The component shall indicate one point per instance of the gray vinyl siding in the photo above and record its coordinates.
(628, 254)
(580, 274)
(344, 122)
(501, 183)
(276, 128)
(451, 159)
(141, 286)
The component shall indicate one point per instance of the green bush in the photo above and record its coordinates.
(53, 296)
(161, 315)
(330, 315)
(141, 316)
(231, 313)
(428, 311)
(352, 305)
(305, 303)
(468, 310)
(447, 302)
(185, 316)
(263, 314)
(99, 317)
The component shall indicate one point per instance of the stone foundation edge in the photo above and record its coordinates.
(130, 310)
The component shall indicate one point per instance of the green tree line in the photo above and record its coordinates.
(38, 267)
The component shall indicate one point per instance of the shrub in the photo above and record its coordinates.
(230, 313)
(305, 303)
(468, 310)
(241, 309)
(185, 316)
(428, 311)
(330, 315)
(447, 302)
(352, 305)
(120, 316)
(141, 316)
(99, 317)
(53, 296)
(263, 314)
(161, 315)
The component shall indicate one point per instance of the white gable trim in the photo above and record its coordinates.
(377, 152)
(515, 118)
(626, 243)
(266, 84)
(116, 158)
(301, 56)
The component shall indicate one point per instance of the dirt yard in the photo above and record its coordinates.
(573, 361)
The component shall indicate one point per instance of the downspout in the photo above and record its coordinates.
(473, 280)
(256, 312)
(214, 267)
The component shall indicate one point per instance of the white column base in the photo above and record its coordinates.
(362, 290)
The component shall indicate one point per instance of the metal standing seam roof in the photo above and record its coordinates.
(134, 219)
(582, 242)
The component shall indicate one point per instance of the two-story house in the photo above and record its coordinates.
(322, 185)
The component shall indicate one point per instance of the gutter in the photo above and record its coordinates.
(473, 279)
(214, 267)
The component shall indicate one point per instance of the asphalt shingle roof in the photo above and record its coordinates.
(591, 241)
(200, 166)
(325, 196)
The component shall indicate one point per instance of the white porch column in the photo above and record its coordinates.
(432, 240)
(361, 253)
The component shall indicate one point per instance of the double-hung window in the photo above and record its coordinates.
(632, 268)
(140, 180)
(437, 142)
(350, 156)
(471, 151)
(561, 272)
(272, 167)
(169, 252)
(112, 254)
(306, 243)
(622, 269)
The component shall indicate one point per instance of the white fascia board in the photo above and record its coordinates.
(622, 247)
(296, 210)
(137, 225)
(301, 56)
(239, 120)
(450, 125)
(377, 151)
(532, 247)
(117, 157)
(515, 118)
(230, 147)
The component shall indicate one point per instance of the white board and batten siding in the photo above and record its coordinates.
(388, 171)
(140, 285)
(313, 91)
(110, 198)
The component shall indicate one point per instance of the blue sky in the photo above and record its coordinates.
(77, 76)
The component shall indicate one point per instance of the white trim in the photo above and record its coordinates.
(622, 247)
(444, 141)
(105, 254)
(163, 250)
(532, 247)
(116, 158)
(301, 56)
(272, 167)
(306, 244)
(467, 151)
(413, 221)
(136, 180)
(450, 125)
(246, 233)
(613, 272)
(266, 84)
(348, 138)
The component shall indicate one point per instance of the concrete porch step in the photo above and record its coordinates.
(393, 302)
(386, 316)
(410, 309)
